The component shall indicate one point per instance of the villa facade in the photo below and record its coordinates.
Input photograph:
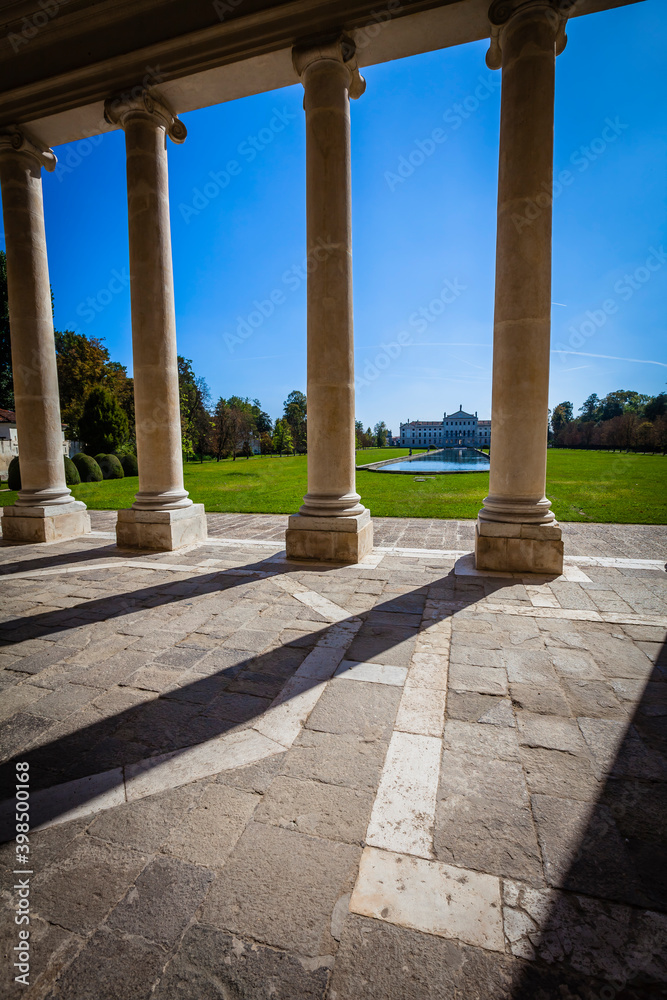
(454, 430)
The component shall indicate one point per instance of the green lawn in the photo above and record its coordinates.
(582, 485)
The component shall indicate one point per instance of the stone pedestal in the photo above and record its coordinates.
(162, 530)
(330, 539)
(45, 524)
(519, 548)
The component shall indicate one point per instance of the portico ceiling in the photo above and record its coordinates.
(62, 58)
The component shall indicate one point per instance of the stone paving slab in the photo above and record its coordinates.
(394, 780)
(642, 541)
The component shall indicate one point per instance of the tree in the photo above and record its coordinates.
(628, 424)
(561, 416)
(266, 444)
(380, 432)
(591, 410)
(645, 436)
(656, 407)
(282, 437)
(612, 404)
(295, 415)
(243, 416)
(84, 363)
(202, 432)
(359, 433)
(246, 450)
(6, 378)
(103, 424)
(660, 432)
(263, 423)
(222, 430)
(194, 397)
(118, 381)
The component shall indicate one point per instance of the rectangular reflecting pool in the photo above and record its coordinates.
(444, 460)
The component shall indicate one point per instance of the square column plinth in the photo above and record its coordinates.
(161, 530)
(45, 524)
(519, 548)
(329, 539)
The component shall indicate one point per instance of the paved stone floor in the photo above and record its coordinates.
(401, 780)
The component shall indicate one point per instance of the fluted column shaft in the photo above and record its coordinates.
(37, 401)
(526, 46)
(328, 83)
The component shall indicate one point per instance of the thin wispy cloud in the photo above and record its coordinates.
(611, 357)
(375, 347)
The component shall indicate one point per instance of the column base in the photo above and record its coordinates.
(161, 530)
(330, 539)
(45, 524)
(519, 548)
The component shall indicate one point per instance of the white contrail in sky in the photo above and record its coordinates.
(611, 357)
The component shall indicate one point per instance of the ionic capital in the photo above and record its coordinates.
(15, 140)
(502, 12)
(142, 104)
(342, 51)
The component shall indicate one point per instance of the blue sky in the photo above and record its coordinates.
(424, 241)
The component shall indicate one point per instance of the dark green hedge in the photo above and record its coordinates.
(72, 477)
(129, 463)
(14, 474)
(88, 468)
(110, 466)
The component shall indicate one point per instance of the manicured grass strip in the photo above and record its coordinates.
(582, 485)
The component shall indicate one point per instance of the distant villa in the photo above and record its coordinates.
(458, 428)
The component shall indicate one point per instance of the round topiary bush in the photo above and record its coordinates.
(129, 463)
(72, 477)
(14, 474)
(87, 467)
(110, 466)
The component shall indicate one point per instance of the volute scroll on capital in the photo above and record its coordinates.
(144, 104)
(501, 12)
(341, 50)
(15, 140)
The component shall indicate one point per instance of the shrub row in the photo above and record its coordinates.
(84, 469)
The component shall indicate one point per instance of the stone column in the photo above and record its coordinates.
(45, 510)
(332, 524)
(162, 515)
(516, 529)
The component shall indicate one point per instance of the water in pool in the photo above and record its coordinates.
(446, 460)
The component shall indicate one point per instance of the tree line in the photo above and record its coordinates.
(376, 438)
(624, 420)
